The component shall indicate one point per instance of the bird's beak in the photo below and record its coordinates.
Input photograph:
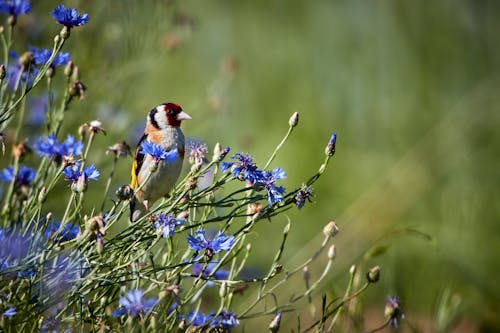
(183, 116)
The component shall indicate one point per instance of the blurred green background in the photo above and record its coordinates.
(411, 88)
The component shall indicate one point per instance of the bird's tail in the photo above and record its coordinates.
(137, 209)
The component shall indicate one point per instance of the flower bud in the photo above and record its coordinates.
(26, 59)
(274, 326)
(57, 39)
(373, 274)
(11, 20)
(294, 119)
(68, 70)
(42, 195)
(124, 192)
(51, 71)
(80, 185)
(20, 150)
(330, 147)
(77, 89)
(99, 245)
(331, 229)
(332, 252)
(352, 270)
(2, 72)
(393, 311)
(306, 273)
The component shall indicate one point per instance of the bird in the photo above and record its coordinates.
(162, 128)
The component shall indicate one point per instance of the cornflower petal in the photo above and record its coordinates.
(69, 17)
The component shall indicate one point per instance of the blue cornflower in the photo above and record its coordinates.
(219, 274)
(69, 17)
(268, 180)
(42, 56)
(245, 168)
(49, 147)
(330, 147)
(158, 153)
(72, 172)
(15, 7)
(219, 243)
(134, 304)
(197, 318)
(24, 177)
(10, 312)
(226, 319)
(166, 224)
(69, 231)
(393, 310)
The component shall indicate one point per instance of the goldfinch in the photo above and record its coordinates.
(163, 129)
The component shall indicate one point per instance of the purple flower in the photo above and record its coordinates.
(158, 153)
(268, 180)
(219, 243)
(42, 56)
(197, 318)
(330, 147)
(134, 304)
(219, 274)
(73, 172)
(24, 177)
(244, 168)
(69, 231)
(49, 147)
(197, 152)
(227, 319)
(304, 193)
(10, 312)
(15, 7)
(166, 224)
(393, 310)
(69, 17)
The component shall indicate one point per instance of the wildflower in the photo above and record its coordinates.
(94, 126)
(227, 319)
(42, 56)
(24, 177)
(245, 168)
(268, 180)
(69, 17)
(197, 318)
(219, 274)
(119, 149)
(47, 146)
(219, 243)
(69, 231)
(197, 152)
(330, 147)
(304, 193)
(393, 311)
(10, 312)
(15, 7)
(158, 153)
(274, 326)
(134, 304)
(73, 172)
(166, 224)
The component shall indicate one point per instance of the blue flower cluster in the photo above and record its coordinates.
(69, 231)
(73, 172)
(158, 153)
(226, 319)
(245, 169)
(48, 146)
(166, 224)
(15, 7)
(135, 304)
(220, 242)
(24, 177)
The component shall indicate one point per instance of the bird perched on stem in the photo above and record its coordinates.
(158, 157)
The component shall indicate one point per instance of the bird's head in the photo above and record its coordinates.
(167, 115)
